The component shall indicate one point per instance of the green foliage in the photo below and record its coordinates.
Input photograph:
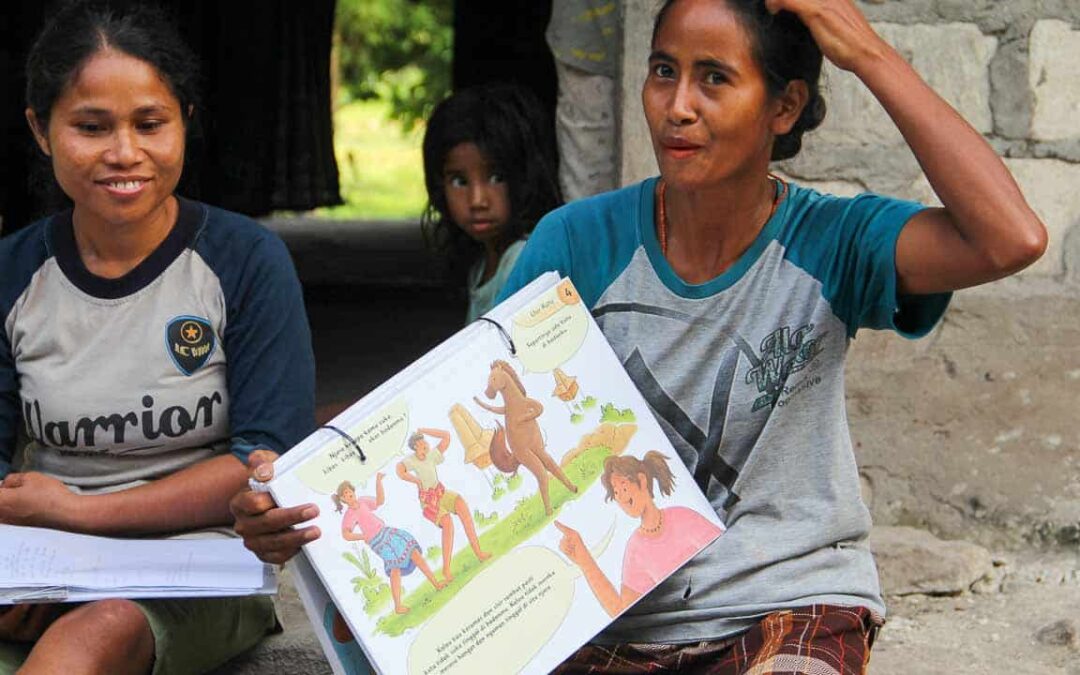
(376, 597)
(499, 479)
(396, 50)
(379, 165)
(589, 465)
(375, 591)
(497, 494)
(609, 413)
(483, 521)
(433, 552)
(589, 402)
(577, 418)
(514, 482)
(363, 563)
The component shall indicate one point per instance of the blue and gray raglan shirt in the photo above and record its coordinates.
(745, 373)
(202, 349)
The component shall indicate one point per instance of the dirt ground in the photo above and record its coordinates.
(992, 633)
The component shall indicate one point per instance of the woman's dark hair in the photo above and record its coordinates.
(508, 124)
(81, 29)
(785, 51)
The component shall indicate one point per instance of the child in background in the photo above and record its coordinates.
(491, 172)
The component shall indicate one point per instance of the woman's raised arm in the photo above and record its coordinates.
(986, 229)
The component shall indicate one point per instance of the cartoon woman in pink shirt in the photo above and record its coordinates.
(666, 538)
(398, 549)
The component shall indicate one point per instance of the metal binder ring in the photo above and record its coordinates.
(348, 438)
(506, 336)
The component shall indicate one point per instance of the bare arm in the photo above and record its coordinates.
(613, 601)
(403, 474)
(194, 497)
(350, 536)
(380, 495)
(986, 229)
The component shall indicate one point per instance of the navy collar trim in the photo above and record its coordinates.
(179, 238)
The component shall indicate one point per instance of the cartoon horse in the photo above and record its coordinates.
(524, 439)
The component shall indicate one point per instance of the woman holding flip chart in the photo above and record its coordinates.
(150, 343)
(731, 297)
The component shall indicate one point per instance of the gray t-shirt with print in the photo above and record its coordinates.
(746, 375)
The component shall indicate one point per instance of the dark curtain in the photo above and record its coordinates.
(266, 140)
(18, 23)
(501, 41)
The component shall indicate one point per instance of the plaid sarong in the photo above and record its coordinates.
(429, 500)
(814, 640)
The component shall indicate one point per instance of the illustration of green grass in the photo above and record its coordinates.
(589, 402)
(375, 591)
(527, 518)
(483, 521)
(514, 482)
(609, 413)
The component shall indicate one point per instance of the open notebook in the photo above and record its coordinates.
(40, 565)
(495, 504)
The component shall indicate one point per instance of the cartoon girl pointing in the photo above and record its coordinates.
(665, 539)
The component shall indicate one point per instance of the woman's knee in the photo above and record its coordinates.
(108, 622)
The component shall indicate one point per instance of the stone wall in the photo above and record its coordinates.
(974, 431)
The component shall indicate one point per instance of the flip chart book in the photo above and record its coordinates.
(498, 502)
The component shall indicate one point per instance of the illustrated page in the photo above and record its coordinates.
(496, 508)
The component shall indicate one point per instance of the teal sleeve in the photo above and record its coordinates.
(849, 245)
(547, 250)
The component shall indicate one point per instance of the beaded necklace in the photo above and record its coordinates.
(653, 530)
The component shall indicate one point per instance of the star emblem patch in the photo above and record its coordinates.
(190, 342)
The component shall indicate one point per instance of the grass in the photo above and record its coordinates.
(380, 167)
(609, 413)
(525, 520)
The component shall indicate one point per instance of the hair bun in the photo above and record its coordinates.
(813, 114)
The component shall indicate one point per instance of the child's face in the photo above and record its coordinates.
(476, 195)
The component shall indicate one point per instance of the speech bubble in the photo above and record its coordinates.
(503, 616)
(550, 330)
(380, 436)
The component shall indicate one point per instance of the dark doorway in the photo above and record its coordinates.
(496, 40)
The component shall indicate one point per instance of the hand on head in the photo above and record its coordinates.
(270, 531)
(841, 31)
